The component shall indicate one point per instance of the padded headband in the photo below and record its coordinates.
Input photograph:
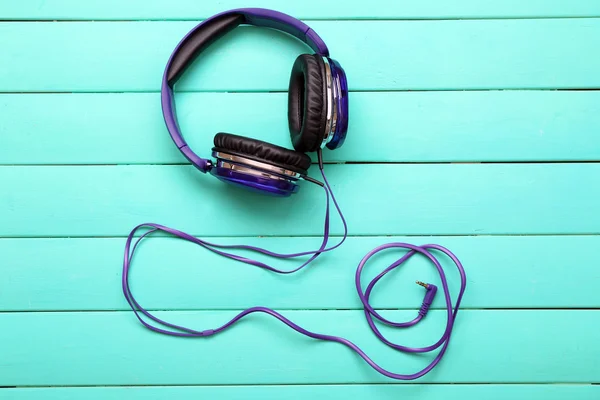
(202, 36)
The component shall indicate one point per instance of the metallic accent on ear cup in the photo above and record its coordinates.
(250, 171)
(331, 107)
(334, 104)
(261, 183)
(268, 168)
(340, 90)
(255, 176)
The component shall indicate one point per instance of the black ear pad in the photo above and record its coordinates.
(307, 100)
(258, 150)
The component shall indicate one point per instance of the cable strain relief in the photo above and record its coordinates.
(320, 158)
(423, 310)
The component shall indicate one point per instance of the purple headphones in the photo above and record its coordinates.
(317, 107)
(318, 117)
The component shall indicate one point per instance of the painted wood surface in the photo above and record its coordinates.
(465, 126)
(473, 125)
(301, 392)
(413, 199)
(377, 55)
(307, 9)
(112, 348)
(504, 272)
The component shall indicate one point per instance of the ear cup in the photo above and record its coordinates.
(258, 150)
(307, 100)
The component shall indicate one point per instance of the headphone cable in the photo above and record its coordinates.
(370, 312)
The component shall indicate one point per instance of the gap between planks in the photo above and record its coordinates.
(298, 309)
(324, 19)
(313, 384)
(516, 89)
(163, 235)
(590, 161)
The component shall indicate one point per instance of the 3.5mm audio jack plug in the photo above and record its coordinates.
(429, 296)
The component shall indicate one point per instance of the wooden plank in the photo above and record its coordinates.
(502, 272)
(308, 9)
(301, 392)
(408, 55)
(111, 348)
(430, 126)
(377, 199)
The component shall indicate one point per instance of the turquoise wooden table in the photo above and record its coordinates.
(473, 124)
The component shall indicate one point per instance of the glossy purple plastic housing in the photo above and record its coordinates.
(339, 76)
(268, 19)
(273, 187)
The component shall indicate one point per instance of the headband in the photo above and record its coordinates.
(202, 36)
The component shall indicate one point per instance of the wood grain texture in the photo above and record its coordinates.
(84, 274)
(437, 88)
(384, 55)
(410, 199)
(112, 348)
(307, 9)
(332, 392)
(127, 128)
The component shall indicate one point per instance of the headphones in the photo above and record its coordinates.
(318, 117)
(317, 108)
